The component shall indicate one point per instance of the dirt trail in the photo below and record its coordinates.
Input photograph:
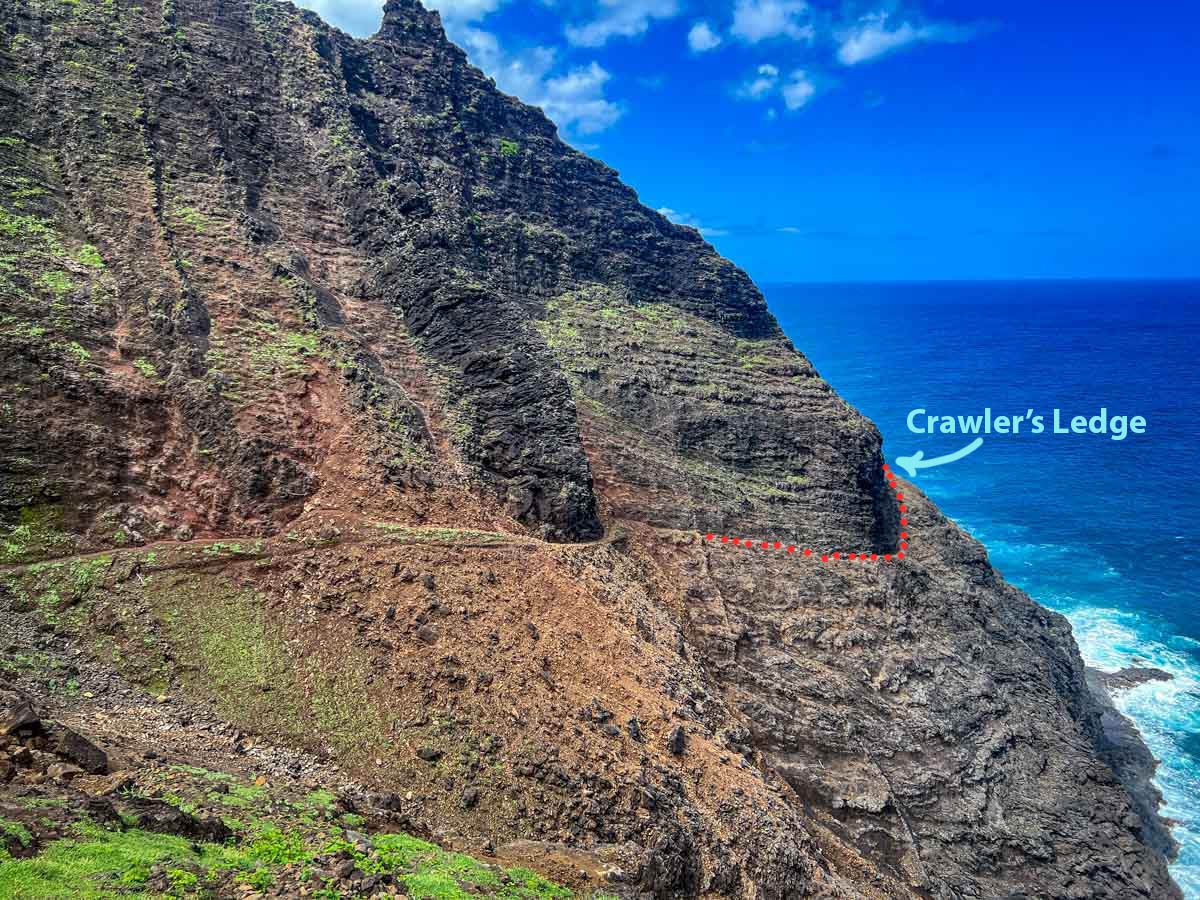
(378, 532)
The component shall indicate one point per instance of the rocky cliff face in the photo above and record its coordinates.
(357, 407)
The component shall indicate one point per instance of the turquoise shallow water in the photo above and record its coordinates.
(1103, 531)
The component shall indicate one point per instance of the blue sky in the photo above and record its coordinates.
(874, 140)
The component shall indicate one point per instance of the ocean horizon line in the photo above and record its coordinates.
(893, 282)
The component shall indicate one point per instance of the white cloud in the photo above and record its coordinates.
(761, 84)
(621, 18)
(760, 20)
(680, 218)
(871, 38)
(798, 90)
(702, 38)
(574, 100)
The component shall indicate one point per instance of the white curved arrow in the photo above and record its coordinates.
(911, 464)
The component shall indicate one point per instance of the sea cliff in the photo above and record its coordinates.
(345, 404)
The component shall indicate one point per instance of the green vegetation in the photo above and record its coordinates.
(96, 863)
(663, 315)
(45, 312)
(146, 368)
(335, 700)
(75, 577)
(281, 843)
(756, 361)
(225, 649)
(283, 351)
(439, 874)
(100, 864)
(31, 228)
(509, 148)
(35, 535)
(23, 195)
(198, 772)
(189, 215)
(232, 657)
(15, 831)
(247, 359)
(90, 256)
(448, 535)
(77, 351)
(560, 334)
(322, 801)
(46, 668)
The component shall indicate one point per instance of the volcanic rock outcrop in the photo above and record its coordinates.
(342, 397)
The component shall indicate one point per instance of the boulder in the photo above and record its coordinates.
(79, 750)
(161, 817)
(101, 811)
(19, 716)
(677, 740)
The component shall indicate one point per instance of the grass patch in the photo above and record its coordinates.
(278, 847)
(321, 801)
(34, 230)
(35, 535)
(189, 215)
(146, 369)
(756, 361)
(101, 864)
(437, 535)
(233, 658)
(90, 256)
(206, 774)
(15, 831)
(243, 796)
(509, 149)
(77, 351)
(229, 653)
(57, 283)
(285, 352)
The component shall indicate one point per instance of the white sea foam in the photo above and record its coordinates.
(1165, 712)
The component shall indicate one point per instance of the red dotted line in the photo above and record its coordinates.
(836, 556)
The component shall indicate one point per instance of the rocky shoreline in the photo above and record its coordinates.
(1128, 753)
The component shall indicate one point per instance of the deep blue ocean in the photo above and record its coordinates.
(1102, 531)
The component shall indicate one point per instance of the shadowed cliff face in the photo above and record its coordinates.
(261, 279)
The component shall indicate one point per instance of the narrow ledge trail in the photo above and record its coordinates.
(228, 547)
(837, 555)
